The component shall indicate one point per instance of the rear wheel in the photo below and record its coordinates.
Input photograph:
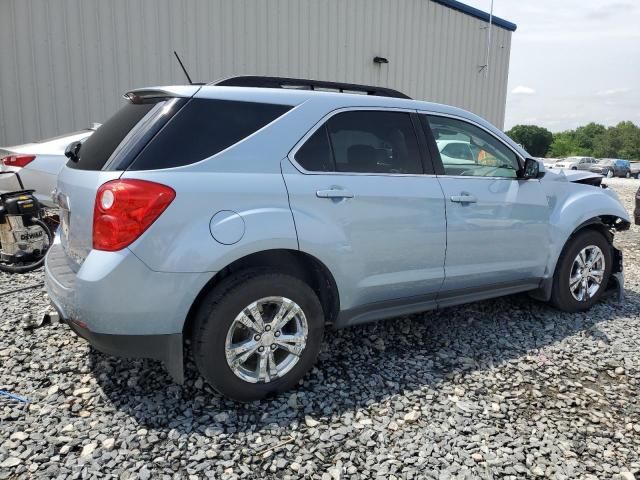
(582, 273)
(627, 175)
(257, 334)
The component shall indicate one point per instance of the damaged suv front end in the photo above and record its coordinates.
(579, 200)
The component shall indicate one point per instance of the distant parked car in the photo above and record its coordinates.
(38, 163)
(635, 169)
(576, 163)
(612, 167)
(456, 151)
(549, 162)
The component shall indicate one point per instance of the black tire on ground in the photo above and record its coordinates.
(561, 296)
(627, 175)
(217, 313)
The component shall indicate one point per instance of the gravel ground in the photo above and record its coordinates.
(507, 388)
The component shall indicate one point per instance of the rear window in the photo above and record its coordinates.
(97, 149)
(203, 128)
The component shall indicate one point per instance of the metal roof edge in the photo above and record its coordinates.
(474, 12)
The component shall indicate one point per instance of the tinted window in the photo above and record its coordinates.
(374, 142)
(489, 156)
(315, 154)
(203, 128)
(97, 149)
(363, 142)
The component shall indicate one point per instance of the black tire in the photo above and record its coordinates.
(561, 296)
(627, 175)
(217, 313)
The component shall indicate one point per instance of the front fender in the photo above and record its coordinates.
(579, 204)
(574, 206)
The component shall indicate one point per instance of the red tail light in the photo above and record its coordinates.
(124, 209)
(17, 160)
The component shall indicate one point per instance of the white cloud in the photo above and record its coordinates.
(522, 90)
(612, 91)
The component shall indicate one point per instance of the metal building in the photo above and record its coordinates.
(65, 64)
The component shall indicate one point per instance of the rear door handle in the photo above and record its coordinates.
(464, 198)
(334, 193)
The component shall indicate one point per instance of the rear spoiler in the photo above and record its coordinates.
(144, 95)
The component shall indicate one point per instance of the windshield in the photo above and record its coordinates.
(605, 162)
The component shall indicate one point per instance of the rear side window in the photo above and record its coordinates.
(203, 128)
(363, 142)
(97, 149)
(315, 155)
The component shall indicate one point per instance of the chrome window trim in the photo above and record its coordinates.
(481, 127)
(323, 120)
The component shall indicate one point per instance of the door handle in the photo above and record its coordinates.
(334, 193)
(463, 198)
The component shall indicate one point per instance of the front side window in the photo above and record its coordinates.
(486, 156)
(363, 142)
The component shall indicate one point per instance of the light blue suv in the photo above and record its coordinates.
(247, 219)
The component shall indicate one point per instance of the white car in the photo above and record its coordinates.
(549, 162)
(455, 151)
(38, 164)
(576, 163)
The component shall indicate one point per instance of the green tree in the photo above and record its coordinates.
(565, 144)
(535, 140)
(586, 135)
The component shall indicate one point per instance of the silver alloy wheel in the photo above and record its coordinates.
(587, 273)
(609, 173)
(266, 339)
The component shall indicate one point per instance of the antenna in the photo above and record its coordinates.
(182, 66)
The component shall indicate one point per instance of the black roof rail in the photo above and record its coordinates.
(304, 84)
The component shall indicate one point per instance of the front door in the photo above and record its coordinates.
(497, 224)
(363, 205)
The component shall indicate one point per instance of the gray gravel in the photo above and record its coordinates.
(507, 388)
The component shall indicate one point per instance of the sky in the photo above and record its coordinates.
(572, 61)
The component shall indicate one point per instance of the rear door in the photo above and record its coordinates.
(497, 224)
(366, 205)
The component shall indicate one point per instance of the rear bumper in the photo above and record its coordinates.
(122, 307)
(166, 348)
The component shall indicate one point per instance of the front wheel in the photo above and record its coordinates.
(582, 272)
(257, 334)
(627, 175)
(609, 173)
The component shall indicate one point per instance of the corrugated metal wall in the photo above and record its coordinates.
(65, 64)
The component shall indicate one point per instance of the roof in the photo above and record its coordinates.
(474, 12)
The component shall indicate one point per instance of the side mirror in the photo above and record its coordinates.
(531, 169)
(72, 150)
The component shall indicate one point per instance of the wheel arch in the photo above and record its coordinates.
(604, 224)
(299, 264)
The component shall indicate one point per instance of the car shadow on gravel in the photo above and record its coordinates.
(360, 365)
